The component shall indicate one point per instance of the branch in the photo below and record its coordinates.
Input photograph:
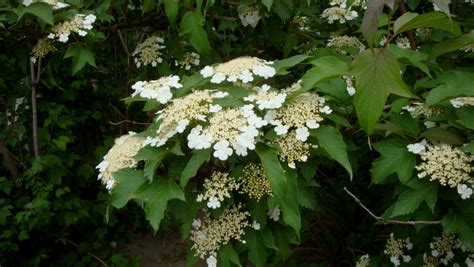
(7, 155)
(388, 221)
(129, 121)
(88, 253)
(35, 78)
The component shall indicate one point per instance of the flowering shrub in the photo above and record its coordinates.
(273, 132)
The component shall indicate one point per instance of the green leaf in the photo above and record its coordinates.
(443, 5)
(331, 140)
(192, 25)
(268, 238)
(370, 21)
(80, 56)
(156, 196)
(268, 4)
(454, 83)
(228, 254)
(281, 66)
(171, 9)
(469, 147)
(437, 134)
(290, 205)
(41, 10)
(273, 169)
(465, 117)
(197, 159)
(411, 199)
(256, 249)
(153, 157)
(395, 158)
(325, 68)
(462, 224)
(377, 75)
(451, 44)
(410, 57)
(436, 20)
(128, 181)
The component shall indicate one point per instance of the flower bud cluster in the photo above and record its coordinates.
(340, 44)
(254, 182)
(249, 15)
(54, 3)
(447, 164)
(418, 109)
(118, 157)
(42, 48)
(339, 11)
(217, 187)
(208, 234)
(188, 61)
(240, 69)
(79, 24)
(302, 23)
(462, 101)
(396, 249)
(148, 52)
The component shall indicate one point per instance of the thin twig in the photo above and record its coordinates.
(89, 253)
(388, 221)
(129, 121)
(34, 83)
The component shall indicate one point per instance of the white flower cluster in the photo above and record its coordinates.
(79, 24)
(148, 52)
(341, 44)
(447, 164)
(242, 68)
(364, 261)
(445, 248)
(218, 187)
(160, 89)
(209, 234)
(396, 249)
(118, 157)
(302, 23)
(249, 15)
(274, 213)
(462, 101)
(54, 3)
(339, 11)
(188, 61)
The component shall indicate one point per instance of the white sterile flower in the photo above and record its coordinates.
(196, 140)
(395, 260)
(264, 71)
(240, 149)
(256, 121)
(222, 150)
(27, 2)
(246, 140)
(304, 158)
(182, 124)
(406, 258)
(249, 130)
(435, 253)
(456, 103)
(256, 225)
(273, 103)
(213, 203)
(199, 197)
(196, 223)
(63, 38)
(220, 94)
(51, 36)
(246, 76)
(465, 191)
(302, 134)
(274, 213)
(270, 115)
(281, 129)
(292, 165)
(417, 148)
(351, 90)
(82, 33)
(247, 110)
(429, 124)
(232, 78)
(211, 261)
(312, 124)
(214, 108)
(326, 110)
(218, 78)
(207, 72)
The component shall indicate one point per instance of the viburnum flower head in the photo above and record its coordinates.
(242, 68)
(79, 24)
(160, 89)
